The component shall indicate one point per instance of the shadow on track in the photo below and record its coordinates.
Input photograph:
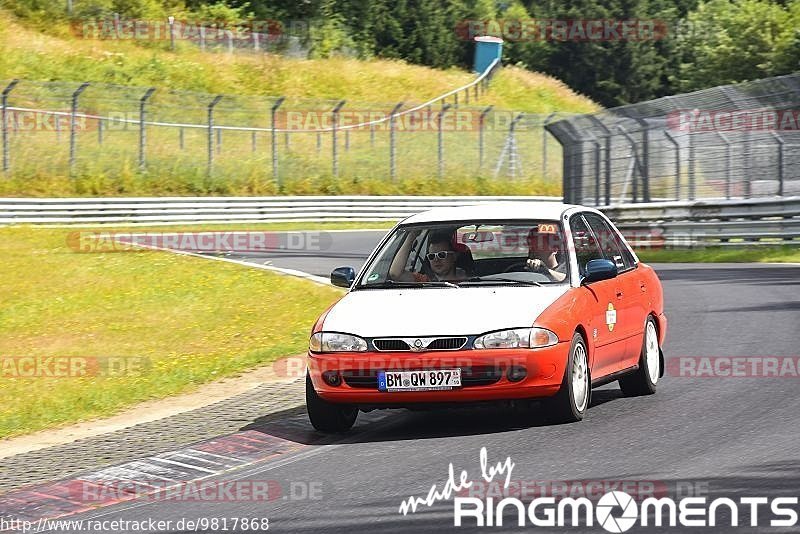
(402, 424)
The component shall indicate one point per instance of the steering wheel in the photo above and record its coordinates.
(520, 266)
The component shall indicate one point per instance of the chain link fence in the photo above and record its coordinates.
(204, 141)
(734, 141)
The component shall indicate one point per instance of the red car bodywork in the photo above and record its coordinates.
(613, 348)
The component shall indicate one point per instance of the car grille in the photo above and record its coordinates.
(391, 345)
(400, 345)
(470, 377)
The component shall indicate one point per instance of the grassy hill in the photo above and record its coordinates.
(59, 55)
(33, 55)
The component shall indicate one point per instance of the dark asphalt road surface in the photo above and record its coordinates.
(728, 437)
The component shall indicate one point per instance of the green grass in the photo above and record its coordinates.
(40, 158)
(192, 320)
(60, 55)
(762, 254)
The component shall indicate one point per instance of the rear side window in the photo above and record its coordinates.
(609, 242)
(586, 247)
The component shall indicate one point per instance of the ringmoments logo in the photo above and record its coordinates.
(615, 511)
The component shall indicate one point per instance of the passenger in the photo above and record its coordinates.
(542, 251)
(441, 256)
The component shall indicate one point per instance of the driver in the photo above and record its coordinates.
(542, 251)
(440, 256)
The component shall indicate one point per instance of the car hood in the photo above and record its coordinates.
(439, 311)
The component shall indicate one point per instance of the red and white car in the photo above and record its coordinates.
(491, 302)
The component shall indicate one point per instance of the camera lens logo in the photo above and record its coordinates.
(612, 501)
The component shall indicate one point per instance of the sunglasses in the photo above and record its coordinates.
(441, 255)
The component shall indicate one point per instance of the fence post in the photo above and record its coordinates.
(171, 22)
(607, 160)
(440, 139)
(99, 131)
(319, 142)
(677, 164)
(638, 163)
(512, 137)
(6, 92)
(219, 141)
(481, 124)
(645, 170)
(692, 188)
(253, 141)
(202, 38)
(466, 96)
(142, 135)
(728, 169)
(781, 142)
(392, 166)
(73, 125)
(335, 154)
(596, 170)
(211, 133)
(229, 35)
(274, 109)
(544, 144)
(180, 137)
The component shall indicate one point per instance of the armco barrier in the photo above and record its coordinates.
(678, 224)
(751, 222)
(183, 210)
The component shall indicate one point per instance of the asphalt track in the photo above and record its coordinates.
(723, 437)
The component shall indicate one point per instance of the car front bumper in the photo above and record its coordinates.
(484, 375)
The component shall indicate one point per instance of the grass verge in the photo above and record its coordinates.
(778, 254)
(181, 321)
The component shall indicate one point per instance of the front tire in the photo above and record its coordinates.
(645, 379)
(571, 402)
(327, 416)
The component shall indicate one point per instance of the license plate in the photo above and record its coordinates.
(428, 380)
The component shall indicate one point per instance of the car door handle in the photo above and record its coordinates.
(619, 293)
(643, 286)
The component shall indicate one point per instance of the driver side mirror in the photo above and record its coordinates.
(597, 270)
(343, 276)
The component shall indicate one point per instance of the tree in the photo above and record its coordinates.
(729, 42)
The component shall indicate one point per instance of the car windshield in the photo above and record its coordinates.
(457, 255)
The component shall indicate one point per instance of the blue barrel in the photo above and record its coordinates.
(487, 49)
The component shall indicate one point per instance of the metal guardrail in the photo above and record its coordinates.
(171, 210)
(706, 223)
(657, 224)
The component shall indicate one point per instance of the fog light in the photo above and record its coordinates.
(515, 373)
(332, 378)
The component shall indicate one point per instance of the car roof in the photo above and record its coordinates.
(494, 211)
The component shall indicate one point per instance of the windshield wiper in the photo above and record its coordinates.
(395, 283)
(482, 280)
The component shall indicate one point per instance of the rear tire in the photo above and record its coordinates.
(645, 379)
(327, 416)
(572, 400)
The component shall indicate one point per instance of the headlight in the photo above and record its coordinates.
(518, 338)
(333, 342)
